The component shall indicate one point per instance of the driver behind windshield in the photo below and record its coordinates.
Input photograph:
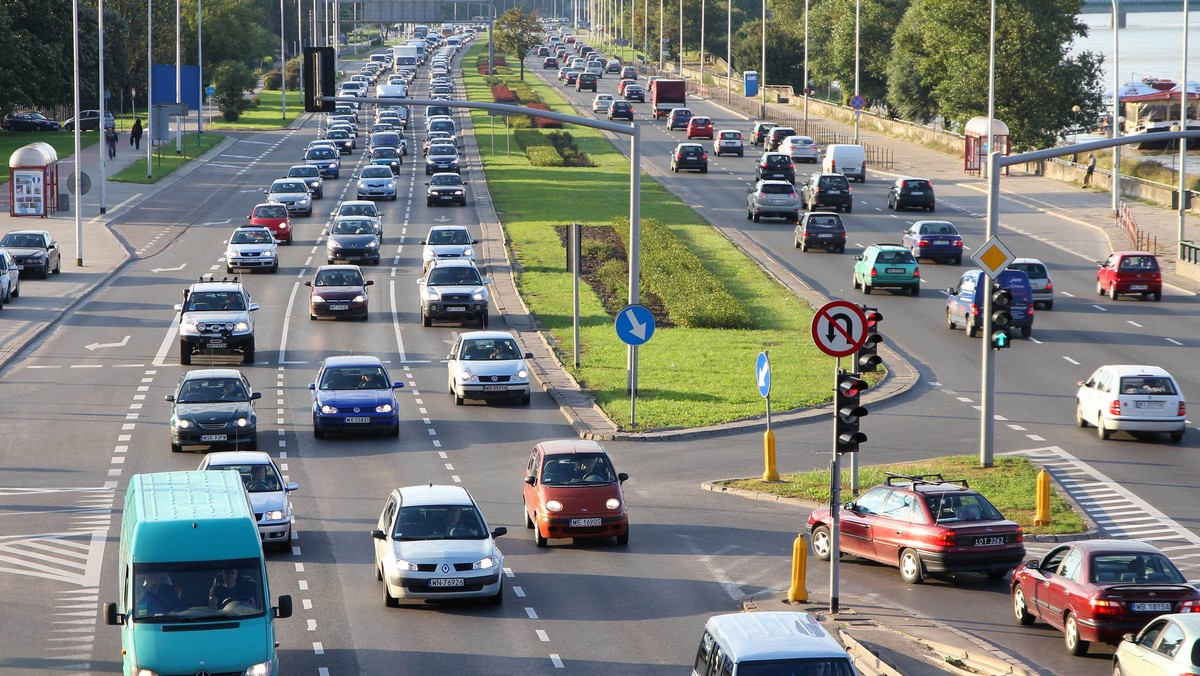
(229, 587)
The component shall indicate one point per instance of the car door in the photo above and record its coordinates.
(1057, 591)
(1090, 396)
(452, 361)
(386, 519)
(891, 528)
(857, 523)
(1107, 272)
(529, 492)
(1035, 579)
(960, 302)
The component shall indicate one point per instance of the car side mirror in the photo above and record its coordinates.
(378, 534)
(308, 283)
(397, 385)
(501, 530)
(622, 477)
(325, 233)
(312, 386)
(275, 241)
(225, 242)
(858, 258)
(369, 282)
(1083, 383)
(254, 307)
(178, 307)
(256, 395)
(850, 506)
(487, 280)
(111, 616)
(169, 397)
(528, 355)
(291, 486)
(284, 609)
(952, 291)
(266, 192)
(531, 480)
(1129, 638)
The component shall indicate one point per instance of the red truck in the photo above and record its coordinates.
(667, 94)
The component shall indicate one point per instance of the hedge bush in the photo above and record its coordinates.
(693, 296)
(502, 94)
(527, 138)
(571, 154)
(544, 156)
(543, 122)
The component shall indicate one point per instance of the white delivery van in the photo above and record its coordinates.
(847, 159)
(740, 644)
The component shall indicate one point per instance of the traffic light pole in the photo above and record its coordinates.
(987, 418)
(835, 500)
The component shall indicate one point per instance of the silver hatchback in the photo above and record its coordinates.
(1039, 280)
(773, 199)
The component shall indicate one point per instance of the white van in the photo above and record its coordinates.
(783, 642)
(847, 159)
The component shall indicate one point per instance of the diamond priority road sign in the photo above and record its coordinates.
(993, 257)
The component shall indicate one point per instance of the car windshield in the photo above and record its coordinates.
(503, 349)
(211, 390)
(1139, 568)
(443, 149)
(251, 237)
(1147, 385)
(358, 210)
(321, 154)
(914, 184)
(304, 172)
(938, 229)
(354, 378)
(954, 507)
(384, 154)
(894, 257)
(209, 301)
(824, 222)
(452, 179)
(339, 278)
(441, 125)
(813, 666)
(23, 240)
(453, 276)
(772, 189)
(376, 172)
(777, 161)
(385, 139)
(578, 469)
(353, 226)
(439, 522)
(198, 591)
(1031, 270)
(338, 134)
(834, 182)
(289, 187)
(448, 235)
(731, 135)
(257, 477)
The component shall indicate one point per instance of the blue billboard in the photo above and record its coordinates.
(164, 85)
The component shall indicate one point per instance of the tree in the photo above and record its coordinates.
(785, 52)
(233, 80)
(516, 32)
(831, 54)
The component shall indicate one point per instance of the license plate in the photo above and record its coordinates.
(217, 345)
(916, 193)
(447, 582)
(339, 307)
(455, 308)
(1152, 607)
(1148, 404)
(983, 542)
(358, 419)
(214, 437)
(824, 234)
(894, 271)
(941, 242)
(1137, 287)
(495, 388)
(20, 267)
(834, 192)
(583, 523)
(445, 197)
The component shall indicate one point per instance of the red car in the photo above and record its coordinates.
(923, 524)
(338, 291)
(623, 84)
(1100, 590)
(1130, 272)
(572, 491)
(274, 216)
(700, 127)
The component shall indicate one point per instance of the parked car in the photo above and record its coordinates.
(964, 302)
(923, 525)
(29, 122)
(488, 365)
(354, 393)
(35, 252)
(1130, 272)
(89, 120)
(214, 408)
(887, 265)
(1131, 398)
(1100, 590)
(911, 193)
(938, 240)
(827, 190)
(691, 156)
(1039, 280)
(772, 199)
(338, 291)
(821, 230)
(572, 491)
(10, 278)
(728, 141)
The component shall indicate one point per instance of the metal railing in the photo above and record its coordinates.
(1141, 241)
(1189, 252)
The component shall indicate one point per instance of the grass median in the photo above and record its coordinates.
(165, 160)
(1010, 484)
(687, 376)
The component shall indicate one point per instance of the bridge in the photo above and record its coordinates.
(1096, 6)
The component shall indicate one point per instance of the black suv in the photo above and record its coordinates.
(827, 190)
(821, 230)
(775, 137)
(775, 167)
(911, 193)
(585, 81)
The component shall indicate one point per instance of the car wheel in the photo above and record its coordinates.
(911, 570)
(1157, 296)
(248, 353)
(526, 399)
(378, 572)
(389, 600)
(749, 215)
(458, 401)
(849, 208)
(1117, 671)
(537, 536)
(703, 170)
(176, 448)
(958, 260)
(804, 247)
(798, 246)
(971, 328)
(1101, 431)
(757, 218)
(428, 203)
(891, 205)
(185, 354)
(1075, 645)
(1112, 292)
(915, 289)
(1079, 419)
(425, 320)
(741, 154)
(931, 208)
(1099, 288)
(623, 539)
(228, 270)
(275, 268)
(1176, 437)
(867, 288)
(497, 598)
(58, 266)
(318, 433)
(525, 513)
(822, 545)
(1026, 331)
(1020, 610)
(1048, 305)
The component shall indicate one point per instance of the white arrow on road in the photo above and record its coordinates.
(636, 329)
(174, 269)
(224, 222)
(762, 375)
(442, 219)
(94, 346)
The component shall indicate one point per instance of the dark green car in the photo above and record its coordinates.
(887, 265)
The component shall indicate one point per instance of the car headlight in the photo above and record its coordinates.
(479, 294)
(390, 185)
(41, 257)
(303, 200)
(523, 374)
(239, 327)
(467, 252)
(428, 254)
(268, 254)
(553, 506)
(402, 565)
(183, 423)
(326, 408)
(361, 185)
(383, 408)
(317, 299)
(486, 563)
(261, 669)
(242, 422)
(613, 504)
(187, 328)
(464, 375)
(360, 298)
(458, 192)
(432, 294)
(273, 515)
(332, 243)
(372, 244)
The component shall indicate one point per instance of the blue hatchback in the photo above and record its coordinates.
(938, 240)
(965, 302)
(354, 394)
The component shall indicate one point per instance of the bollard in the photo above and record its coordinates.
(770, 473)
(1042, 515)
(798, 592)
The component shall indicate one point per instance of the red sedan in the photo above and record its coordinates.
(700, 127)
(274, 216)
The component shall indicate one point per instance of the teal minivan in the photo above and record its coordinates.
(193, 585)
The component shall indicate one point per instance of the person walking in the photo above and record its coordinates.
(135, 134)
(1091, 169)
(110, 137)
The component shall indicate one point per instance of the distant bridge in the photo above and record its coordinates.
(1096, 6)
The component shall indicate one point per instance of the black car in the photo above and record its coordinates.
(821, 230)
(827, 190)
(29, 122)
(689, 156)
(441, 157)
(213, 408)
(620, 109)
(775, 167)
(635, 93)
(911, 193)
(446, 188)
(311, 177)
(34, 251)
(586, 81)
(549, 63)
(352, 238)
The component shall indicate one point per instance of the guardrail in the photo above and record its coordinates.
(1189, 252)
(1141, 241)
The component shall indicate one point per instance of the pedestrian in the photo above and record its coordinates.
(135, 134)
(110, 137)
(1091, 169)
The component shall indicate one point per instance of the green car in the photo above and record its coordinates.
(887, 265)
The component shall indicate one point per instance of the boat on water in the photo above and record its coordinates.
(1153, 105)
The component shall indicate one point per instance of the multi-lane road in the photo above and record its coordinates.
(77, 422)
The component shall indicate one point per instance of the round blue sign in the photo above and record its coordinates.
(635, 324)
(210, 90)
(762, 375)
(858, 102)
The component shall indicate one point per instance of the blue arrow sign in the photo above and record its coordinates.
(762, 375)
(210, 90)
(635, 324)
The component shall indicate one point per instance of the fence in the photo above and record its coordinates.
(1141, 241)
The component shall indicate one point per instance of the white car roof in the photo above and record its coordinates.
(433, 494)
(1137, 370)
(239, 458)
(772, 636)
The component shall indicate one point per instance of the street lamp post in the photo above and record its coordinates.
(805, 66)
(103, 120)
(661, 61)
(282, 64)
(857, 16)
(1075, 116)
(728, 51)
(762, 66)
(702, 11)
(680, 47)
(1115, 123)
(987, 423)
(1183, 125)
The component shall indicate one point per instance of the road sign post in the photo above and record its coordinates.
(635, 326)
(762, 373)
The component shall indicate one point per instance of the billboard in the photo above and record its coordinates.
(164, 85)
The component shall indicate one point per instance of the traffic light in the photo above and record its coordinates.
(868, 359)
(1001, 317)
(319, 79)
(847, 412)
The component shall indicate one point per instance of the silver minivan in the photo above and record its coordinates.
(737, 644)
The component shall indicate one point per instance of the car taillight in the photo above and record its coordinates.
(874, 271)
(704, 156)
(1107, 607)
(679, 156)
(974, 309)
(923, 242)
(947, 538)
(764, 165)
(1020, 537)
(1114, 408)
(1049, 286)
(958, 243)
(812, 147)
(917, 272)
(791, 194)
(1182, 409)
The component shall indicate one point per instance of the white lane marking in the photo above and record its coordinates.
(965, 400)
(1130, 321)
(287, 320)
(542, 635)
(1100, 308)
(319, 649)
(519, 592)
(168, 340)
(556, 660)
(1071, 360)
(1017, 428)
(1173, 341)
(531, 613)
(396, 321)
(312, 625)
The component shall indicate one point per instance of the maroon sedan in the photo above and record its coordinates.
(338, 291)
(1100, 590)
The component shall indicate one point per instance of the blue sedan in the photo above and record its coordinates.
(938, 240)
(354, 394)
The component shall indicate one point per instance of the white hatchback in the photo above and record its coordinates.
(601, 103)
(729, 141)
(1131, 398)
(488, 365)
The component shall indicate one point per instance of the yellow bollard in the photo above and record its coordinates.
(798, 591)
(1042, 515)
(770, 473)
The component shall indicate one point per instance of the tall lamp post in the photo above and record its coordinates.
(1183, 125)
(680, 38)
(857, 16)
(661, 61)
(1116, 108)
(702, 10)
(805, 66)
(282, 64)
(762, 66)
(728, 51)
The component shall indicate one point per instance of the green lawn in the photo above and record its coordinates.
(1010, 485)
(687, 377)
(165, 159)
(63, 143)
(268, 114)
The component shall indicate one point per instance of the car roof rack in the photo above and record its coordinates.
(914, 480)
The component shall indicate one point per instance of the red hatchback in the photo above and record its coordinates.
(923, 524)
(1100, 590)
(572, 491)
(274, 216)
(700, 127)
(1130, 272)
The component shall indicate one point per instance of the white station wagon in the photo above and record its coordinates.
(1131, 398)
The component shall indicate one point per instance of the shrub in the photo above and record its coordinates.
(543, 122)
(502, 94)
(272, 79)
(528, 138)
(543, 156)
(693, 296)
(525, 93)
(564, 143)
(597, 249)
(613, 275)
